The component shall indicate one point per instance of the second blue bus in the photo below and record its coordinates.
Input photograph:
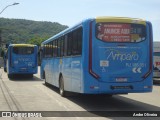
(21, 59)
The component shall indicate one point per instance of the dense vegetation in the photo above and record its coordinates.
(27, 31)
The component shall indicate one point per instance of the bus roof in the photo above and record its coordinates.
(22, 45)
(120, 19)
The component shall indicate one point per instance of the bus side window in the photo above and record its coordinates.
(65, 45)
(44, 51)
(56, 48)
(59, 47)
(74, 46)
(77, 42)
(62, 46)
(52, 48)
(69, 44)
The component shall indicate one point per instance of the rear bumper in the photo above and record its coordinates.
(125, 88)
(23, 71)
(120, 88)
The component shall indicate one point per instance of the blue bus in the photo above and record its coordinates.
(103, 55)
(21, 59)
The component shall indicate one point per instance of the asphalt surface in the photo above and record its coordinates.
(31, 94)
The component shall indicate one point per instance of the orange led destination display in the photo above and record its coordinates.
(114, 32)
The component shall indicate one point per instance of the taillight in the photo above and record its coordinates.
(90, 54)
(150, 52)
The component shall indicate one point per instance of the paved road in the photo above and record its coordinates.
(25, 94)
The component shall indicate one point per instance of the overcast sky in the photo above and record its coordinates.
(69, 12)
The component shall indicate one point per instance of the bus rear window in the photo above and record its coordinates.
(120, 32)
(23, 50)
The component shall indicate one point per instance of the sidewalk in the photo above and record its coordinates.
(1, 70)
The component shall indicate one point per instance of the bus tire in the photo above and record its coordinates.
(61, 87)
(30, 75)
(5, 70)
(44, 77)
(108, 95)
(10, 76)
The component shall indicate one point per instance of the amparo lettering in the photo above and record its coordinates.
(123, 56)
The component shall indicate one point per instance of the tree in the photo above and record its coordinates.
(27, 31)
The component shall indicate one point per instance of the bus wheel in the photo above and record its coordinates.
(5, 70)
(30, 75)
(44, 77)
(10, 76)
(61, 87)
(108, 95)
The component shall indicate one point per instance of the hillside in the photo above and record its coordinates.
(27, 31)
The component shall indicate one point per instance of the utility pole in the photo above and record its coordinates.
(1, 29)
(8, 6)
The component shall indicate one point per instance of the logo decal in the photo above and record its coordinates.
(122, 56)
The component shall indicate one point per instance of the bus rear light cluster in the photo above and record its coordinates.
(150, 53)
(90, 54)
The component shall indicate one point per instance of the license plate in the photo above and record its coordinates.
(121, 87)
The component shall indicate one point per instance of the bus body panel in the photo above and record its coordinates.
(69, 67)
(67, 72)
(76, 72)
(47, 68)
